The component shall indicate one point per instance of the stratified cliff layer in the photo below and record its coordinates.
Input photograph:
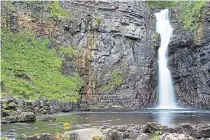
(116, 45)
(189, 61)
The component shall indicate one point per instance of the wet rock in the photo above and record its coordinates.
(202, 131)
(9, 119)
(42, 136)
(112, 135)
(133, 133)
(152, 127)
(143, 136)
(27, 117)
(176, 136)
(186, 128)
(12, 130)
(83, 134)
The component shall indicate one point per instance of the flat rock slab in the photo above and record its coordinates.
(83, 134)
(176, 136)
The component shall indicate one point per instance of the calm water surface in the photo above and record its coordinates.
(94, 119)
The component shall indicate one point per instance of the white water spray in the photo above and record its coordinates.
(165, 85)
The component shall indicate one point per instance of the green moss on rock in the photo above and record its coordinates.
(116, 80)
(192, 13)
(57, 11)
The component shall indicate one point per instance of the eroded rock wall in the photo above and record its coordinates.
(189, 62)
(117, 57)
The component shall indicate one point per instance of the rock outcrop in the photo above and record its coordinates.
(118, 60)
(189, 62)
(84, 134)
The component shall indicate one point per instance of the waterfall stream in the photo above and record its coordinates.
(165, 84)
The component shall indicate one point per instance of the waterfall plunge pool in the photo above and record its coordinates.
(80, 120)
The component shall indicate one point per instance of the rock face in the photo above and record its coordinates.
(117, 57)
(84, 134)
(18, 110)
(189, 62)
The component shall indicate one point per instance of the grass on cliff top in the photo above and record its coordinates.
(30, 70)
(191, 12)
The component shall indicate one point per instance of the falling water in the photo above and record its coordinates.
(165, 85)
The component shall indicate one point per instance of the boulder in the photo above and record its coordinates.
(112, 134)
(83, 134)
(42, 136)
(202, 131)
(143, 136)
(152, 127)
(186, 128)
(27, 117)
(176, 136)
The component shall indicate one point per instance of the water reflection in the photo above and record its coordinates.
(165, 118)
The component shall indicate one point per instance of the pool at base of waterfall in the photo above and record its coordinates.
(79, 120)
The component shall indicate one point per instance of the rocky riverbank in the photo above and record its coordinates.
(19, 110)
(148, 131)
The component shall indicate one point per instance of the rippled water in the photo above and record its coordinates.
(94, 119)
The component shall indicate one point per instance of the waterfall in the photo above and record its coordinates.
(165, 84)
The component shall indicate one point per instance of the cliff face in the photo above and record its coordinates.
(117, 62)
(117, 51)
(118, 58)
(116, 45)
(189, 62)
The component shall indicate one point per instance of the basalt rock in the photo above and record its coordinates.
(189, 62)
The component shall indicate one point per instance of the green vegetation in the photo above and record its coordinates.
(115, 81)
(155, 38)
(191, 13)
(98, 22)
(7, 9)
(30, 70)
(57, 11)
(68, 52)
(10, 7)
(161, 4)
(96, 138)
(156, 135)
(4, 138)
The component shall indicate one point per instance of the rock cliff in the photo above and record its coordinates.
(189, 62)
(117, 51)
(116, 45)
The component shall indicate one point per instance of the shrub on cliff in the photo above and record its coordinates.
(31, 70)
